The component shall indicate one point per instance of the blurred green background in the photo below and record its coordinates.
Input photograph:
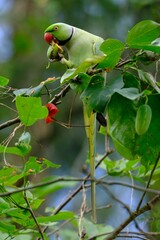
(23, 60)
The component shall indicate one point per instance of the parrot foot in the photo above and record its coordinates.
(68, 63)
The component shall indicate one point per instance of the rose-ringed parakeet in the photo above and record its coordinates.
(80, 45)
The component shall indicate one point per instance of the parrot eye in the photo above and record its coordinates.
(56, 28)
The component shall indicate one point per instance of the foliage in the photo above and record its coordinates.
(120, 99)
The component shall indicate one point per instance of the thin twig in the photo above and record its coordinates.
(8, 141)
(62, 205)
(132, 236)
(62, 179)
(77, 190)
(112, 235)
(149, 181)
(68, 221)
(99, 208)
(148, 206)
(55, 99)
(81, 228)
(9, 123)
(34, 217)
(61, 94)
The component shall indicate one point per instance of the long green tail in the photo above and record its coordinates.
(90, 123)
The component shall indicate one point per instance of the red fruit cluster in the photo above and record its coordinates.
(52, 111)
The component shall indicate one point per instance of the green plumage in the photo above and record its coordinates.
(80, 46)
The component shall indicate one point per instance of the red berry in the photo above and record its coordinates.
(52, 111)
(48, 37)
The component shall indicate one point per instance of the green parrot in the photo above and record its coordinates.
(80, 46)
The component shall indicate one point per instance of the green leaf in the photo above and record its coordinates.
(18, 213)
(5, 173)
(24, 236)
(61, 216)
(120, 167)
(130, 80)
(67, 233)
(81, 82)
(121, 123)
(30, 109)
(95, 229)
(4, 205)
(50, 164)
(24, 143)
(32, 165)
(130, 93)
(3, 81)
(113, 49)
(34, 92)
(6, 227)
(111, 45)
(148, 78)
(147, 146)
(71, 73)
(51, 188)
(14, 150)
(121, 126)
(110, 60)
(38, 164)
(36, 203)
(143, 34)
(96, 95)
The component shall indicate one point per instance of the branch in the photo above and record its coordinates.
(61, 94)
(62, 179)
(148, 206)
(10, 123)
(149, 181)
(55, 100)
(34, 218)
(63, 204)
(80, 187)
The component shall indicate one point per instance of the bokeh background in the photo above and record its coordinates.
(23, 60)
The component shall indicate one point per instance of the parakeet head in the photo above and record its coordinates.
(60, 33)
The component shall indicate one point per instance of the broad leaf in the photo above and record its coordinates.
(71, 73)
(5, 175)
(24, 143)
(14, 150)
(148, 145)
(121, 116)
(121, 119)
(36, 165)
(40, 192)
(130, 93)
(111, 45)
(95, 229)
(30, 109)
(50, 220)
(6, 227)
(81, 82)
(130, 80)
(120, 167)
(113, 49)
(3, 81)
(148, 78)
(143, 34)
(96, 95)
(34, 92)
